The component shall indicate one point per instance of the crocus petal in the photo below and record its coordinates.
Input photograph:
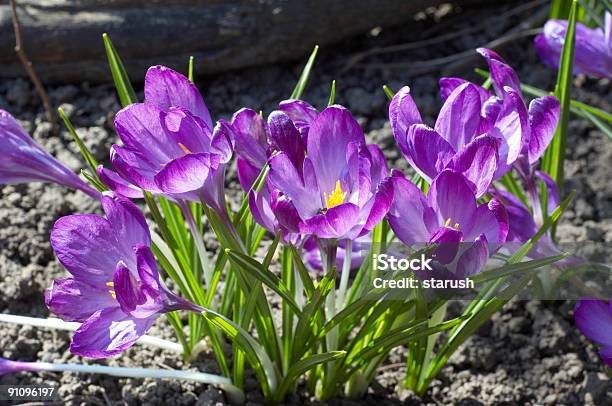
(543, 118)
(477, 162)
(185, 174)
(127, 221)
(213, 192)
(447, 85)
(167, 88)
(108, 332)
(147, 269)
(188, 131)
(502, 74)
(334, 223)
(521, 224)
(473, 259)
(403, 112)
(262, 212)
(285, 212)
(247, 173)
(301, 113)
(223, 142)
(117, 184)
(330, 134)
(285, 137)
(407, 212)
(285, 177)
(72, 300)
(553, 198)
(379, 164)
(135, 168)
(426, 151)
(594, 319)
(251, 133)
(451, 198)
(381, 203)
(23, 160)
(459, 117)
(485, 223)
(127, 290)
(85, 244)
(447, 241)
(499, 211)
(606, 355)
(140, 128)
(512, 129)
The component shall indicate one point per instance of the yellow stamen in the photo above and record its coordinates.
(456, 226)
(111, 291)
(447, 223)
(336, 197)
(184, 148)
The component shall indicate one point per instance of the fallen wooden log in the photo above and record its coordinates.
(63, 37)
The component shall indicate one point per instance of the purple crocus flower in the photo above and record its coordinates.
(23, 160)
(169, 144)
(312, 253)
(594, 319)
(592, 49)
(447, 216)
(334, 180)
(115, 289)
(528, 131)
(459, 140)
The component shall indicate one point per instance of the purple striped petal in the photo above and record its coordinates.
(186, 174)
(85, 245)
(301, 113)
(502, 75)
(543, 118)
(134, 168)
(284, 176)
(447, 244)
(403, 112)
(117, 184)
(334, 223)
(251, 133)
(426, 151)
(328, 139)
(167, 88)
(451, 198)
(459, 117)
(408, 211)
(285, 137)
(72, 300)
(285, 212)
(127, 221)
(127, 289)
(447, 85)
(247, 173)
(108, 332)
(477, 162)
(262, 212)
(594, 319)
(473, 259)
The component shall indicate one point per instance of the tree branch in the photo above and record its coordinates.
(40, 89)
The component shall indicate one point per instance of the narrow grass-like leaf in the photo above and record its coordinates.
(126, 92)
(518, 268)
(190, 69)
(388, 92)
(332, 93)
(89, 159)
(303, 81)
(303, 272)
(255, 353)
(555, 153)
(264, 275)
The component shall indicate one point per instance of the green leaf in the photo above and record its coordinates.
(303, 81)
(513, 269)
(332, 93)
(259, 360)
(126, 92)
(301, 367)
(93, 181)
(190, 69)
(555, 153)
(89, 159)
(388, 92)
(304, 275)
(264, 275)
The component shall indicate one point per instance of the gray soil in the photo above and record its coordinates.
(529, 353)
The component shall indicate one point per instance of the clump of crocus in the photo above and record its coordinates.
(448, 216)
(334, 183)
(115, 289)
(592, 50)
(594, 319)
(23, 160)
(169, 144)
